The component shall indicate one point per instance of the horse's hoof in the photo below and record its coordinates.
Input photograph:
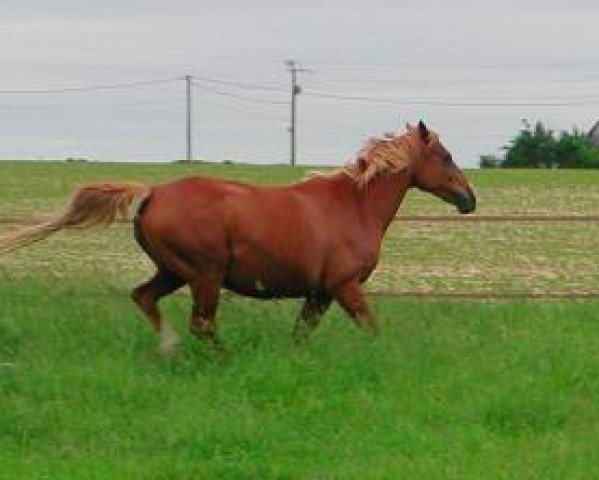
(168, 351)
(168, 347)
(298, 340)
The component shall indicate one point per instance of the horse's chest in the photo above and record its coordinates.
(355, 263)
(369, 263)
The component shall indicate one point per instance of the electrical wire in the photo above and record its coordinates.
(90, 88)
(236, 108)
(199, 82)
(258, 113)
(242, 85)
(217, 91)
(443, 103)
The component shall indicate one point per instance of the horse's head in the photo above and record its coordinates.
(433, 170)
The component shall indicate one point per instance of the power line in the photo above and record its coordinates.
(444, 103)
(236, 108)
(110, 104)
(217, 91)
(579, 102)
(242, 85)
(245, 111)
(453, 65)
(89, 88)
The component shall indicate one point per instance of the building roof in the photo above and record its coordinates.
(594, 134)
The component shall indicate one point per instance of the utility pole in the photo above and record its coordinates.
(189, 150)
(295, 91)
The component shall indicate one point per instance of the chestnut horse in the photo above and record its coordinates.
(318, 239)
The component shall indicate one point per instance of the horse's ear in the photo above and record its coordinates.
(423, 131)
(409, 127)
(362, 164)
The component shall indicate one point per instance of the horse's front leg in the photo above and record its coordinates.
(351, 297)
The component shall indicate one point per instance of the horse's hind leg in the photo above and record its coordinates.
(147, 295)
(205, 290)
(309, 318)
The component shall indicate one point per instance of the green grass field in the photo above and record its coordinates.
(449, 390)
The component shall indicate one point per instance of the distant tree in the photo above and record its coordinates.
(575, 150)
(531, 148)
(489, 161)
(540, 147)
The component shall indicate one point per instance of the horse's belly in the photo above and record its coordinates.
(259, 288)
(265, 293)
(271, 270)
(270, 281)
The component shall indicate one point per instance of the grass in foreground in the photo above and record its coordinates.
(448, 391)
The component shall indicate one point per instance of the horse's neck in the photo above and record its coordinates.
(383, 195)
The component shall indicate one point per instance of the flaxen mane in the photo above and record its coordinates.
(391, 153)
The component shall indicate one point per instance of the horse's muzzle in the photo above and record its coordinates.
(466, 201)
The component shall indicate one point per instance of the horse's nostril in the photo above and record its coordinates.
(466, 202)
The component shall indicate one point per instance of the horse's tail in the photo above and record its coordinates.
(93, 204)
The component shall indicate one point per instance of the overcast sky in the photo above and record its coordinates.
(471, 69)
